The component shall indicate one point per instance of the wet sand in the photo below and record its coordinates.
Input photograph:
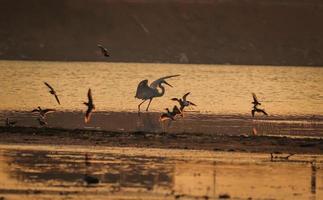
(194, 141)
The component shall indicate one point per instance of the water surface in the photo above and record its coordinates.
(215, 89)
(47, 172)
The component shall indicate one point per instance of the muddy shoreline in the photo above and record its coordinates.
(193, 141)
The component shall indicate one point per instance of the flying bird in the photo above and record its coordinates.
(90, 106)
(183, 102)
(42, 112)
(53, 92)
(255, 100)
(170, 114)
(104, 50)
(145, 92)
(255, 108)
(10, 123)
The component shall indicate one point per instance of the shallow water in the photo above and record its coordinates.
(215, 89)
(300, 126)
(47, 172)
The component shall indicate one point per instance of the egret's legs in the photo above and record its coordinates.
(140, 105)
(149, 104)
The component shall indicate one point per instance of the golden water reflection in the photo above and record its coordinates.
(214, 88)
(155, 174)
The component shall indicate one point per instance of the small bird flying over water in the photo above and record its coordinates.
(42, 112)
(183, 102)
(90, 106)
(145, 92)
(255, 100)
(10, 123)
(169, 114)
(255, 108)
(104, 50)
(53, 92)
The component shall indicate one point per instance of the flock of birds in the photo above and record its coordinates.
(144, 92)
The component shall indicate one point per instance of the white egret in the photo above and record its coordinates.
(145, 92)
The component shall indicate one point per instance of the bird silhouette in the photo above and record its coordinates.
(104, 50)
(170, 114)
(52, 92)
(255, 100)
(255, 109)
(43, 112)
(183, 102)
(90, 106)
(145, 92)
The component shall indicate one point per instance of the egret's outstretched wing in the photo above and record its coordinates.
(185, 95)
(50, 87)
(158, 81)
(143, 90)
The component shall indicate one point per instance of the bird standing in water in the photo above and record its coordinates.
(183, 102)
(169, 114)
(90, 106)
(255, 108)
(52, 92)
(104, 50)
(145, 92)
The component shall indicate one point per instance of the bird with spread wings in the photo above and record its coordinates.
(145, 91)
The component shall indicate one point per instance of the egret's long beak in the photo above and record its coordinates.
(168, 84)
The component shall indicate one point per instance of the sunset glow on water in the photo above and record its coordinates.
(216, 89)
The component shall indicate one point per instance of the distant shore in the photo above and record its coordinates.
(194, 141)
(246, 32)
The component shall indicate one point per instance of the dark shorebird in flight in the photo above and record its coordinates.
(104, 50)
(255, 100)
(10, 123)
(183, 102)
(53, 92)
(43, 112)
(255, 108)
(145, 92)
(169, 114)
(90, 106)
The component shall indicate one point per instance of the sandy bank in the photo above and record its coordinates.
(198, 141)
